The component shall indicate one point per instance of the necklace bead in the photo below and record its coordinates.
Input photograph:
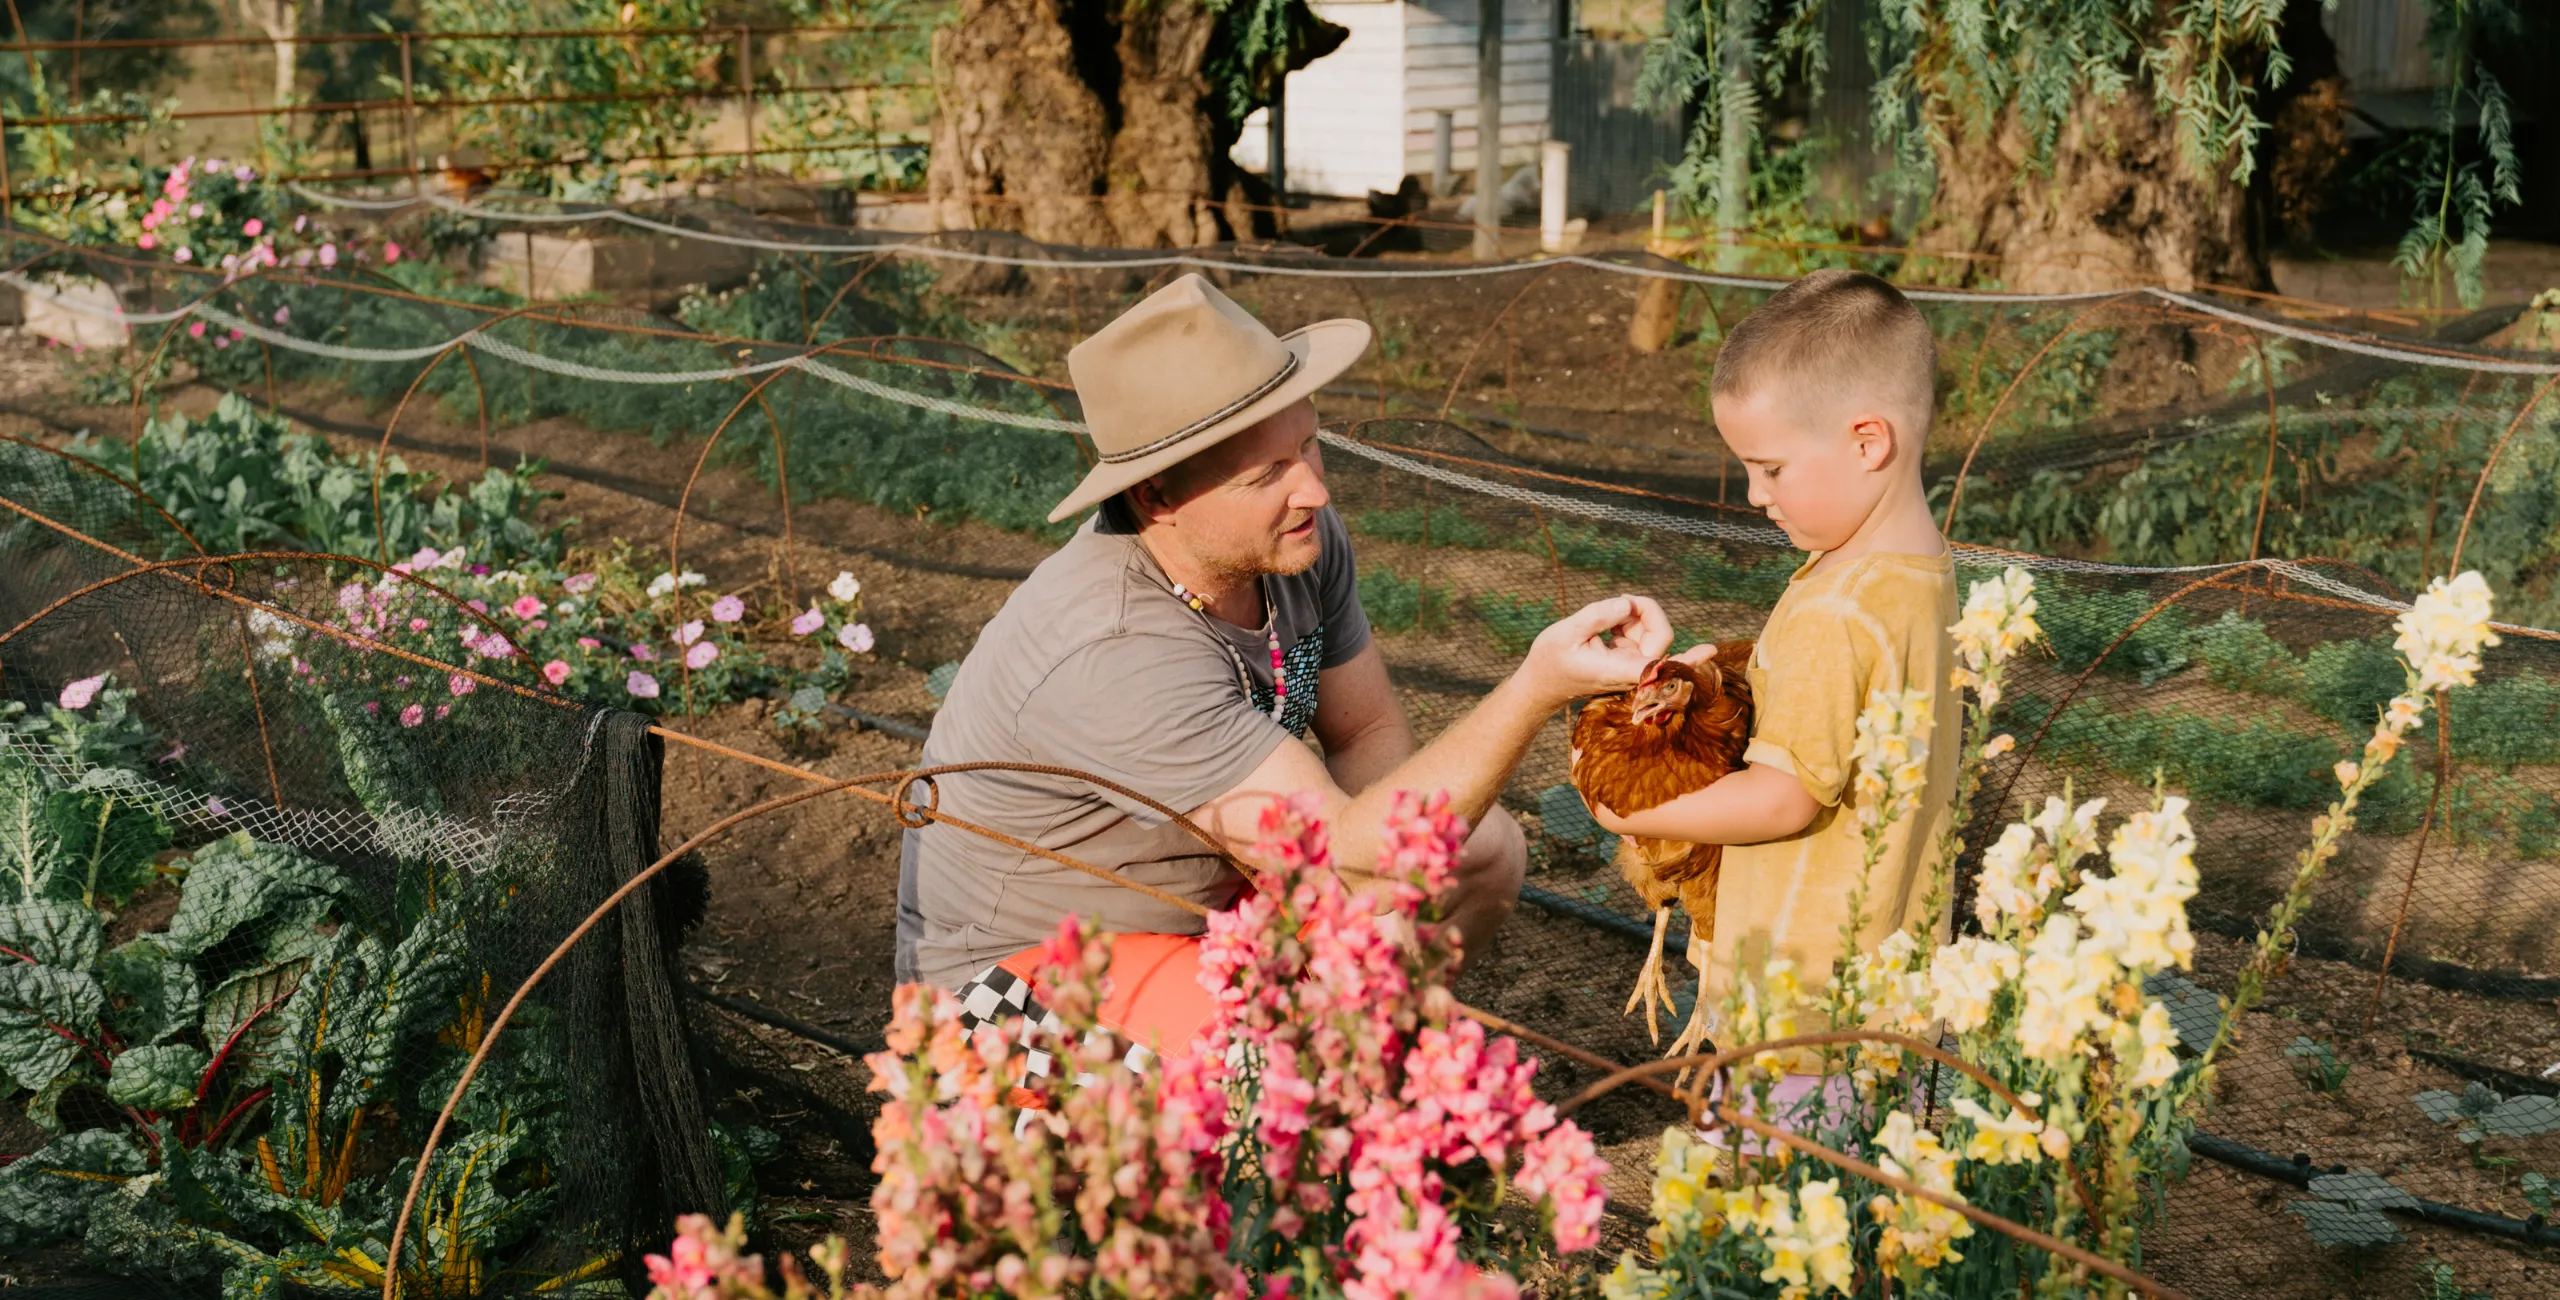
(1271, 637)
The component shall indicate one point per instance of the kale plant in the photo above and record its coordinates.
(244, 480)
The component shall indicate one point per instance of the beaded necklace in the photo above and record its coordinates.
(1271, 634)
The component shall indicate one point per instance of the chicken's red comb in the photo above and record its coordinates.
(1651, 671)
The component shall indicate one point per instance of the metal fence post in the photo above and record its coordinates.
(1444, 153)
(1488, 129)
(1279, 124)
(747, 90)
(409, 116)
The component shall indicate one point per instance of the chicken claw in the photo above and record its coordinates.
(1650, 984)
(1693, 1037)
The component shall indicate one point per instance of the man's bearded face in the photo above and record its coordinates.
(1249, 504)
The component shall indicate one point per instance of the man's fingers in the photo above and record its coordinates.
(1647, 626)
(1697, 654)
(1597, 617)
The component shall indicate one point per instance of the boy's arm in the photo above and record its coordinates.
(1757, 804)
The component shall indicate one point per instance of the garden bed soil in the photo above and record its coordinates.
(802, 905)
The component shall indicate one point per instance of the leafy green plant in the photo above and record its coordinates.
(2084, 623)
(2537, 1190)
(243, 480)
(1706, 573)
(2349, 1210)
(2479, 1113)
(2437, 1281)
(1514, 621)
(1583, 547)
(1423, 525)
(2318, 1065)
(2239, 655)
(1397, 604)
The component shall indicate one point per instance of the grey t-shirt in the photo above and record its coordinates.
(1094, 664)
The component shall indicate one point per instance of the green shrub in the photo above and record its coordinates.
(2351, 680)
(1514, 621)
(2081, 623)
(1401, 605)
(1706, 574)
(2511, 720)
(1419, 525)
(2259, 760)
(2238, 655)
(1583, 547)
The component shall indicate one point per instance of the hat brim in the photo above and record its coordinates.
(1324, 350)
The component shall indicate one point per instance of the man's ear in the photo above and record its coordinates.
(1148, 502)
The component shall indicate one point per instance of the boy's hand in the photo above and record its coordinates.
(1569, 660)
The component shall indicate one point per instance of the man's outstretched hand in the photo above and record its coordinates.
(1570, 659)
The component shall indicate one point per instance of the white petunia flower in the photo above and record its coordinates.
(845, 587)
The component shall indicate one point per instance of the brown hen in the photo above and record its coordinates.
(1681, 729)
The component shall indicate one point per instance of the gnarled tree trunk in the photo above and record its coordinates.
(2117, 206)
(1019, 137)
(1089, 121)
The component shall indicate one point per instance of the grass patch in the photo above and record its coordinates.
(1397, 604)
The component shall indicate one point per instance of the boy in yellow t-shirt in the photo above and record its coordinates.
(1826, 394)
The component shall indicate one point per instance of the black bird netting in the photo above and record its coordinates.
(2224, 505)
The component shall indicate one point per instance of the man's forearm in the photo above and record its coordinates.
(1472, 761)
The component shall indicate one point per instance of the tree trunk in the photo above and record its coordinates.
(1019, 137)
(1159, 186)
(1088, 121)
(2118, 206)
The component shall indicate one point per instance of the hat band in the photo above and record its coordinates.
(1261, 391)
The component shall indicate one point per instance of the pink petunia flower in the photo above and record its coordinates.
(689, 633)
(417, 625)
(413, 715)
(252, 226)
(328, 255)
(184, 254)
(556, 671)
(640, 650)
(700, 655)
(855, 637)
(460, 685)
(641, 685)
(77, 695)
(300, 221)
(390, 251)
(195, 329)
(728, 609)
(525, 607)
(283, 314)
(579, 584)
(588, 643)
(809, 621)
(148, 240)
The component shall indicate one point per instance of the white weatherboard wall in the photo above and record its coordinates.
(1440, 74)
(1342, 107)
(1361, 118)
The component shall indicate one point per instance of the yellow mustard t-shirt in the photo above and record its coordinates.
(1878, 622)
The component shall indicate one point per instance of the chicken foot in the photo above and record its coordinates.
(1693, 1037)
(1651, 987)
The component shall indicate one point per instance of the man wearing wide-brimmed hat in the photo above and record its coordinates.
(1183, 644)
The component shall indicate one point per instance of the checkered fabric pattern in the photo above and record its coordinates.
(996, 995)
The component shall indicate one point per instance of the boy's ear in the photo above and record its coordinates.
(1875, 438)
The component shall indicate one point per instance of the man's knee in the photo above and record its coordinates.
(1496, 857)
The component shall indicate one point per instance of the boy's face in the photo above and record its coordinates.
(1817, 464)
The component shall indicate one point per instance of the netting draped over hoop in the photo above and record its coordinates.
(2224, 507)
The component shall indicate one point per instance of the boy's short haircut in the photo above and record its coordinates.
(1835, 325)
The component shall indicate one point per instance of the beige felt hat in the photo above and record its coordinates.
(1185, 370)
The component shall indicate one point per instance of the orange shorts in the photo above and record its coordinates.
(1156, 1003)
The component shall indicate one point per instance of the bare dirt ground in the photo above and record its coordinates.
(803, 902)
